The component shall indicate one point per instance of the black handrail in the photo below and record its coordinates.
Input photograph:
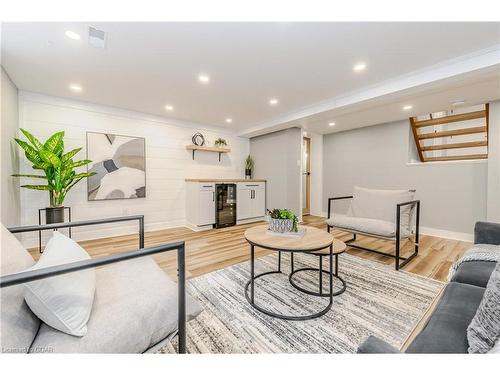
(33, 228)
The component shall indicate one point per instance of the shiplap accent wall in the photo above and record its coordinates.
(168, 162)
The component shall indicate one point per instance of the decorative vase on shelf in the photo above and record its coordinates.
(54, 215)
(248, 174)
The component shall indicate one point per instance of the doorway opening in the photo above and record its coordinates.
(306, 176)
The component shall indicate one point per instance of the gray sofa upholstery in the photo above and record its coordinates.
(446, 330)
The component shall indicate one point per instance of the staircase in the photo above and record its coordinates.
(454, 137)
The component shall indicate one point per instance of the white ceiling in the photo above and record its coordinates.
(307, 66)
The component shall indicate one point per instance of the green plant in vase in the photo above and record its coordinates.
(220, 142)
(248, 167)
(282, 220)
(58, 167)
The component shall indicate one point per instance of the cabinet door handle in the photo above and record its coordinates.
(207, 186)
(213, 196)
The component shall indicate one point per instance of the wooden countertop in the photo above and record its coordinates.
(223, 180)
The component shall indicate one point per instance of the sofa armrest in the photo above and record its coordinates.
(487, 233)
(374, 345)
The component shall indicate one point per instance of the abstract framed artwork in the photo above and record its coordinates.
(119, 162)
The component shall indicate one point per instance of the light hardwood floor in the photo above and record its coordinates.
(211, 250)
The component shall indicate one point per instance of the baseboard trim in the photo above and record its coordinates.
(468, 237)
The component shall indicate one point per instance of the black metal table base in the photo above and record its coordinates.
(320, 293)
(250, 286)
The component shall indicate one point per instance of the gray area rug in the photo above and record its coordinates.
(378, 301)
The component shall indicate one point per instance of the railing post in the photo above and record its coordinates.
(398, 223)
(181, 269)
(417, 229)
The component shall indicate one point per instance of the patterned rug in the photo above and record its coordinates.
(378, 301)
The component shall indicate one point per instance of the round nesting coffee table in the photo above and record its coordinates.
(338, 248)
(313, 241)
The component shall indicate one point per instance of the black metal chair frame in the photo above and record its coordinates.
(398, 258)
(27, 276)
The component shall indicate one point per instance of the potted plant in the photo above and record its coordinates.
(282, 220)
(220, 142)
(248, 167)
(58, 168)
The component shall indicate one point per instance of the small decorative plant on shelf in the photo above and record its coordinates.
(248, 167)
(220, 142)
(58, 168)
(282, 220)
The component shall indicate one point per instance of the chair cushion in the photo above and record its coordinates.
(18, 325)
(474, 273)
(135, 307)
(380, 204)
(446, 330)
(65, 301)
(367, 226)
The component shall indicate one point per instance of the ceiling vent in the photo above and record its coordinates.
(97, 38)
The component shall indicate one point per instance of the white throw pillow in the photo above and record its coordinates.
(63, 302)
(381, 204)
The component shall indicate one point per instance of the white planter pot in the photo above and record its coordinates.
(280, 225)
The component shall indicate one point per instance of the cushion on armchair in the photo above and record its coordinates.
(18, 325)
(135, 307)
(65, 301)
(362, 225)
(381, 204)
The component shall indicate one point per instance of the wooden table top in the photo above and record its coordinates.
(314, 238)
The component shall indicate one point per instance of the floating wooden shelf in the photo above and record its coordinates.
(219, 150)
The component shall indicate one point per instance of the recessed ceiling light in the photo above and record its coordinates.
(75, 88)
(273, 101)
(72, 35)
(331, 124)
(457, 103)
(407, 107)
(169, 107)
(359, 67)
(229, 120)
(203, 78)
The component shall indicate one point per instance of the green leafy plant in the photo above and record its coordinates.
(220, 142)
(284, 213)
(59, 167)
(249, 162)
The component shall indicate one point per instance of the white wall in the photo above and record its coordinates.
(277, 158)
(453, 194)
(493, 206)
(9, 186)
(168, 162)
